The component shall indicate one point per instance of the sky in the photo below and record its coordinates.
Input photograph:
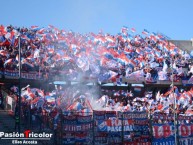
(173, 18)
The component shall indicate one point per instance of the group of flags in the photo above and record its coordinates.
(89, 52)
(72, 100)
(125, 30)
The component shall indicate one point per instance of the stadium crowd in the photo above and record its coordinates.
(53, 52)
(84, 101)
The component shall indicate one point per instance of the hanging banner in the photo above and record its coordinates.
(77, 129)
(108, 121)
(128, 127)
(170, 117)
(100, 137)
(108, 127)
(10, 74)
(186, 134)
(140, 133)
(163, 134)
(72, 124)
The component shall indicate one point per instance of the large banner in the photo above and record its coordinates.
(124, 127)
(100, 137)
(163, 134)
(137, 132)
(185, 134)
(128, 128)
(108, 127)
(77, 129)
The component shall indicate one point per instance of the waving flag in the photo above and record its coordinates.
(5, 43)
(132, 62)
(123, 58)
(117, 80)
(177, 93)
(51, 27)
(145, 32)
(149, 78)
(40, 103)
(50, 50)
(162, 75)
(34, 27)
(110, 39)
(153, 38)
(139, 51)
(83, 63)
(166, 108)
(137, 75)
(124, 30)
(165, 67)
(75, 106)
(8, 62)
(158, 96)
(50, 99)
(133, 30)
(25, 38)
(3, 52)
(14, 89)
(2, 30)
(74, 48)
(36, 53)
(41, 31)
(113, 52)
(110, 75)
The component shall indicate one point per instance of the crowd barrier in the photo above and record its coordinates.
(61, 75)
(8, 74)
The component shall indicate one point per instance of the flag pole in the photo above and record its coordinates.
(174, 108)
(19, 88)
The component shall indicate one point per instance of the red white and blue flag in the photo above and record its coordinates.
(133, 30)
(145, 32)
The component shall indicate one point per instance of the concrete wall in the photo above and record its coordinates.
(183, 44)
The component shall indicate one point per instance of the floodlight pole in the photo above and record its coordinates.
(19, 88)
